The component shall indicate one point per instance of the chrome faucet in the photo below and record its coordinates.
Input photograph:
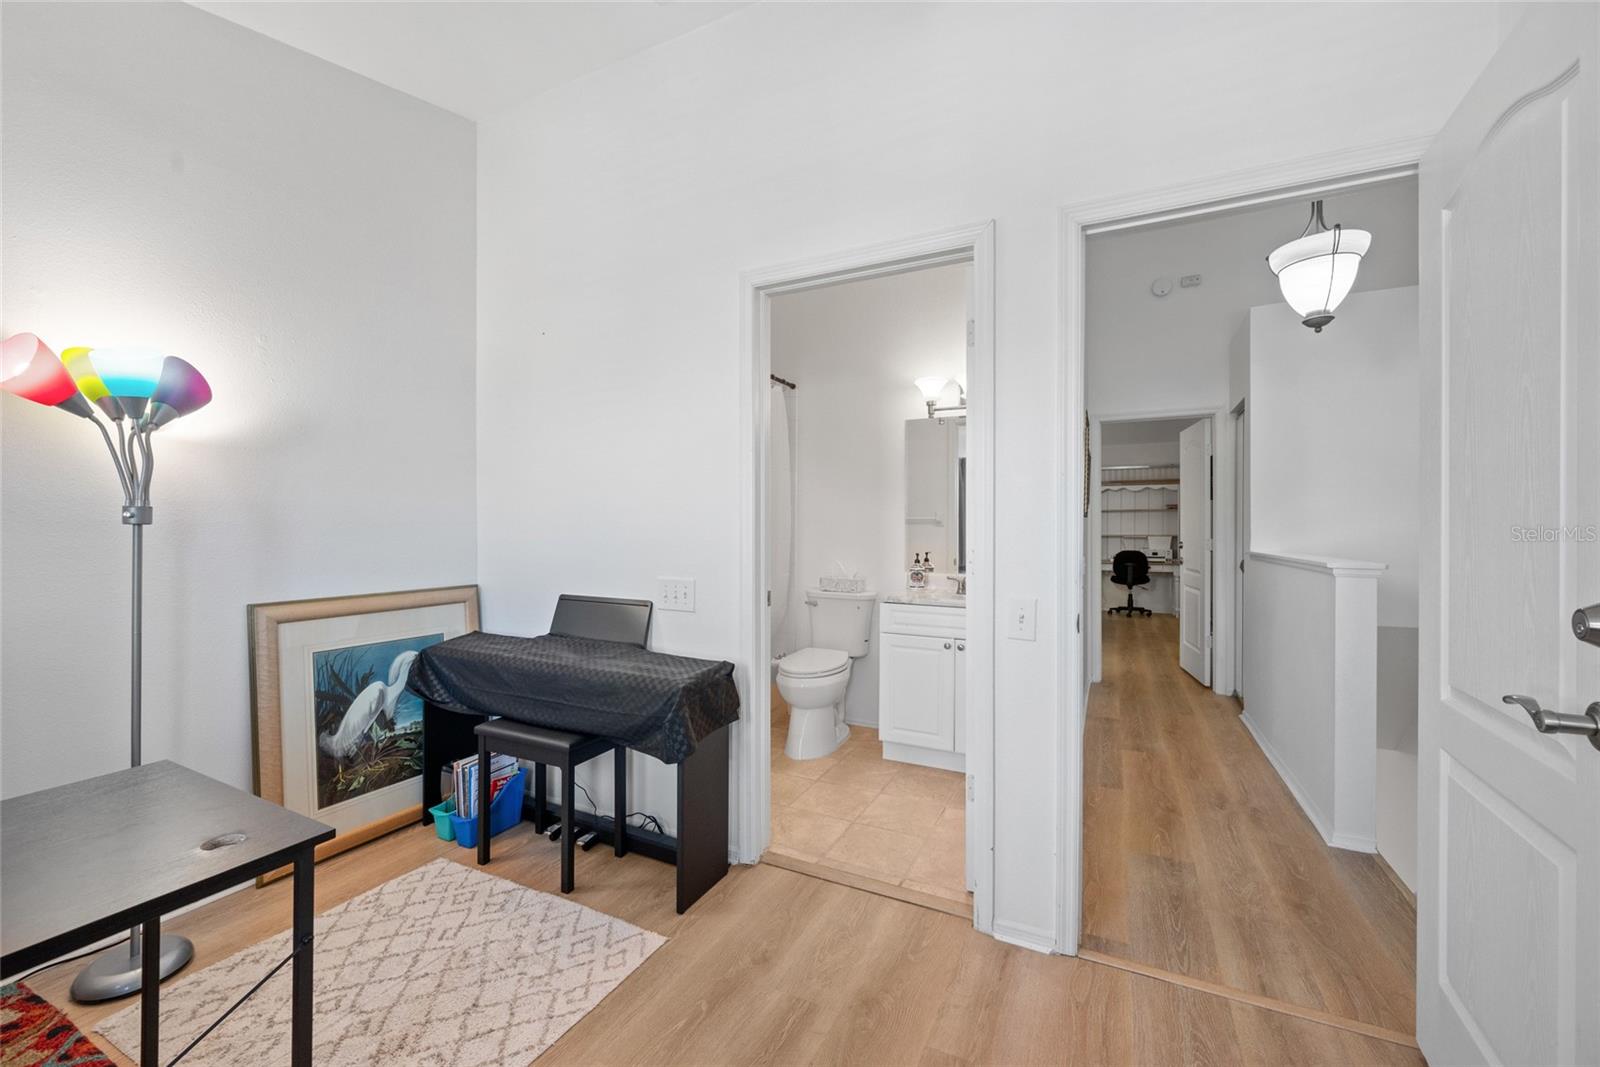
(961, 583)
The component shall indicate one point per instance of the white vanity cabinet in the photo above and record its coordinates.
(922, 682)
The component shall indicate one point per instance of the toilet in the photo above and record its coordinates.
(813, 680)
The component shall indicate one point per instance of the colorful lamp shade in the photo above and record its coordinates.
(80, 365)
(30, 370)
(180, 390)
(130, 375)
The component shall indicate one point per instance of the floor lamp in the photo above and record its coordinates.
(140, 392)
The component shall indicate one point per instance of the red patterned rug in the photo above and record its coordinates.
(34, 1033)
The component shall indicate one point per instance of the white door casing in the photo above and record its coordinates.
(1194, 571)
(1508, 924)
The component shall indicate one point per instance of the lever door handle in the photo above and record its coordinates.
(1554, 722)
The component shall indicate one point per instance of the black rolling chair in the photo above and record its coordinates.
(1130, 567)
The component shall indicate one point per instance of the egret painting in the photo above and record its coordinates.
(369, 728)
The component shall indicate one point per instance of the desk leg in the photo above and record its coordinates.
(304, 917)
(150, 995)
(702, 819)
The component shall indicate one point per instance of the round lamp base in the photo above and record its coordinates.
(117, 973)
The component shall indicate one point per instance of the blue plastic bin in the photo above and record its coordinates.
(505, 811)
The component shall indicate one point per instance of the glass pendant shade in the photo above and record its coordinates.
(932, 388)
(30, 370)
(180, 390)
(1317, 271)
(130, 375)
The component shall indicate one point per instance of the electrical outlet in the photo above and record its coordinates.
(1020, 622)
(675, 594)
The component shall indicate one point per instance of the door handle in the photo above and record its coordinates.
(1586, 624)
(1554, 722)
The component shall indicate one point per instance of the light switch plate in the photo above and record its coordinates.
(1021, 624)
(675, 594)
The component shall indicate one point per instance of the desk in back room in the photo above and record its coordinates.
(1159, 596)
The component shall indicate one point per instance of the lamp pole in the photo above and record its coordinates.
(115, 973)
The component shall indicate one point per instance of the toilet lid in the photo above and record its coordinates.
(813, 662)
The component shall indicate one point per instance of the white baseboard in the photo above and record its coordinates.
(925, 757)
(1024, 936)
(1288, 779)
(1354, 843)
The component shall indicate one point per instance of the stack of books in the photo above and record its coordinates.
(464, 775)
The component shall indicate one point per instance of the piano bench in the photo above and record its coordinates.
(554, 748)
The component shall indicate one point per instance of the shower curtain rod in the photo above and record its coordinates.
(782, 381)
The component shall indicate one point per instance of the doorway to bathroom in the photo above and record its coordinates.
(871, 492)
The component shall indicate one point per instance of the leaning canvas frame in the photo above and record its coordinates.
(267, 695)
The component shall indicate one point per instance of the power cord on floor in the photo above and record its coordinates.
(68, 959)
(649, 821)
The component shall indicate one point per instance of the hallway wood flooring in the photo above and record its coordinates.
(1198, 861)
(776, 967)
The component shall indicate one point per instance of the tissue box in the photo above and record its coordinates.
(842, 585)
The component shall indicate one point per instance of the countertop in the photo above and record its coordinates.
(928, 597)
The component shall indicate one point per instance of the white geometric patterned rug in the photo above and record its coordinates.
(443, 965)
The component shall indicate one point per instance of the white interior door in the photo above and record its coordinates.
(1508, 923)
(1194, 570)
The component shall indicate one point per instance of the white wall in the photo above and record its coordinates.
(617, 212)
(1333, 449)
(854, 350)
(1334, 471)
(1311, 686)
(1172, 353)
(305, 237)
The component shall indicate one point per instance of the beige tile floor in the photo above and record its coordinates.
(857, 812)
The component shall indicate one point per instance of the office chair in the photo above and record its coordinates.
(1130, 567)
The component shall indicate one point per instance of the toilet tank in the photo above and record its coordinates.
(841, 620)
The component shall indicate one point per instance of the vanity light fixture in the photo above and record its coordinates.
(1317, 269)
(932, 390)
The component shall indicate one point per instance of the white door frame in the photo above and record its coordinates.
(1295, 180)
(1222, 680)
(752, 777)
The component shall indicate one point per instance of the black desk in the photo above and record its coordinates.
(85, 861)
(700, 851)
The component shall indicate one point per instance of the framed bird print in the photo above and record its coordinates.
(337, 736)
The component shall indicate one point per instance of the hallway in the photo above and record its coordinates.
(1198, 861)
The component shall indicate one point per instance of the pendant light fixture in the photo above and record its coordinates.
(1317, 269)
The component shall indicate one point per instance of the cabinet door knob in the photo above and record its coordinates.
(961, 648)
(947, 644)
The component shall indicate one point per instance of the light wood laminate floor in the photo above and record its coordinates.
(1197, 860)
(856, 812)
(776, 967)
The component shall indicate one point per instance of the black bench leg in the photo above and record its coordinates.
(483, 801)
(568, 810)
(619, 818)
(538, 798)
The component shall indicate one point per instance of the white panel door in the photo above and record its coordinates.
(1194, 572)
(916, 704)
(1508, 921)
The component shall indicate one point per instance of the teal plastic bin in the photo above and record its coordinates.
(442, 814)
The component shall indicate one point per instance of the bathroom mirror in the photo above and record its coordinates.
(936, 492)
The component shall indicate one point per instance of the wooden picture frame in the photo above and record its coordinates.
(287, 768)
